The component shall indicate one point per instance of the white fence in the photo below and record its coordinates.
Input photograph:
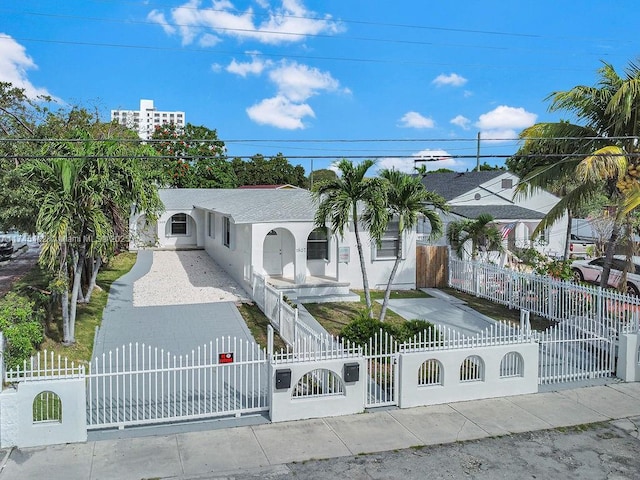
(139, 384)
(553, 299)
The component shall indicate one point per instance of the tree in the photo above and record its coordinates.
(199, 160)
(321, 175)
(601, 151)
(274, 171)
(481, 232)
(338, 205)
(407, 199)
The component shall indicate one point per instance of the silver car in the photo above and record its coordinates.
(591, 271)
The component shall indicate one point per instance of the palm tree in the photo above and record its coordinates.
(481, 232)
(407, 199)
(338, 204)
(601, 152)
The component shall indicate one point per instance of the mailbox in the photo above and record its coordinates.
(351, 372)
(283, 379)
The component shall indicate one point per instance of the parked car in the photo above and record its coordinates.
(6, 247)
(579, 247)
(591, 271)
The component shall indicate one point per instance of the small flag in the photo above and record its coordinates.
(506, 229)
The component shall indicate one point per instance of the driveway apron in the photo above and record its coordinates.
(178, 329)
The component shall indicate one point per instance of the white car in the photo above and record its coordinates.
(591, 271)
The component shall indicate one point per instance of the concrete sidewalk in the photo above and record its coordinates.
(264, 450)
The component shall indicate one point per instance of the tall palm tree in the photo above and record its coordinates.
(483, 235)
(407, 199)
(599, 151)
(339, 201)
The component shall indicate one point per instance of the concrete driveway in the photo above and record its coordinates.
(444, 310)
(199, 312)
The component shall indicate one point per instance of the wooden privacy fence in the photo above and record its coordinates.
(432, 266)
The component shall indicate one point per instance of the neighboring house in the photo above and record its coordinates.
(272, 232)
(471, 193)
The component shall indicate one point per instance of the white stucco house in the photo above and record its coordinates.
(272, 232)
(471, 193)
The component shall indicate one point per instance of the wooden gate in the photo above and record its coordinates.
(432, 266)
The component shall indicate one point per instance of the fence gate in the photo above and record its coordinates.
(577, 349)
(138, 384)
(382, 369)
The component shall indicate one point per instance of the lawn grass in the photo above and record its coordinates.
(257, 323)
(89, 315)
(334, 316)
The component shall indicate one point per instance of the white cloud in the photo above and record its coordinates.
(295, 84)
(289, 23)
(256, 66)
(209, 40)
(298, 82)
(461, 121)
(14, 64)
(432, 159)
(280, 112)
(158, 17)
(416, 120)
(504, 122)
(453, 79)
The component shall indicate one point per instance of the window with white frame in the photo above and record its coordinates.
(390, 245)
(226, 231)
(210, 225)
(179, 224)
(318, 244)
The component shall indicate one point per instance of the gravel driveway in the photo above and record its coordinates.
(185, 277)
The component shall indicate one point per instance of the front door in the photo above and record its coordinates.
(272, 253)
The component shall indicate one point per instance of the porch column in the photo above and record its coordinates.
(300, 264)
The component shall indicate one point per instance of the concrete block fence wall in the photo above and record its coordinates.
(449, 382)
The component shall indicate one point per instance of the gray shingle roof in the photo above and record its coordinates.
(453, 184)
(499, 212)
(245, 205)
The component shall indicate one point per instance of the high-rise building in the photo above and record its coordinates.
(145, 120)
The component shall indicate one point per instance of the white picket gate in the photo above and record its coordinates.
(577, 349)
(139, 384)
(382, 368)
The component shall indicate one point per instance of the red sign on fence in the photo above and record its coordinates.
(225, 357)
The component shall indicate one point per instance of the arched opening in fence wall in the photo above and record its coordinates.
(318, 383)
(47, 407)
(512, 365)
(472, 369)
(430, 373)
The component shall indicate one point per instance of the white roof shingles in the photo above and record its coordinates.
(245, 205)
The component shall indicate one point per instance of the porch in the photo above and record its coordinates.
(314, 289)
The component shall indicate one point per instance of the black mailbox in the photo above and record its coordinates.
(351, 372)
(283, 379)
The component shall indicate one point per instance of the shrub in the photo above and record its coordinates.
(21, 325)
(411, 328)
(362, 328)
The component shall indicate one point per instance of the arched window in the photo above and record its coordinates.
(512, 365)
(318, 383)
(47, 407)
(179, 224)
(472, 369)
(430, 373)
(318, 244)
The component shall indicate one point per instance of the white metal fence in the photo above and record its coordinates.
(139, 384)
(553, 299)
(581, 345)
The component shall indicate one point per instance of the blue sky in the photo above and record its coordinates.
(327, 79)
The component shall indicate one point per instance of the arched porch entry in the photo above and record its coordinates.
(278, 253)
(181, 230)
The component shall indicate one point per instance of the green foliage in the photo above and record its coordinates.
(556, 268)
(363, 328)
(273, 171)
(20, 323)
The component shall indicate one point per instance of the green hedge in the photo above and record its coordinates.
(361, 329)
(20, 322)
